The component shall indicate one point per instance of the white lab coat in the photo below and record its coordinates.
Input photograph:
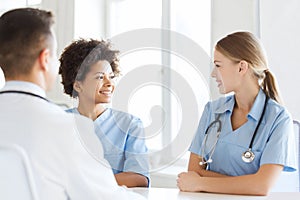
(66, 156)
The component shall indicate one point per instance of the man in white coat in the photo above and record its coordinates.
(65, 154)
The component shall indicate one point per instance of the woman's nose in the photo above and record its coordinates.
(107, 80)
(213, 72)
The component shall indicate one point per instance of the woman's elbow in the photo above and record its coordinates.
(262, 190)
(262, 193)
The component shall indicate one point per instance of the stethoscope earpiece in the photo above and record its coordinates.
(205, 162)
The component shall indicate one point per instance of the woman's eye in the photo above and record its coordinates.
(109, 76)
(112, 76)
(101, 77)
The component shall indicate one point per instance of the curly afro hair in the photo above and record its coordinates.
(79, 56)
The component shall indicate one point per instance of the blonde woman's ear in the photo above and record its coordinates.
(243, 66)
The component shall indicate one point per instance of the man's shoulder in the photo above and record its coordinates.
(55, 116)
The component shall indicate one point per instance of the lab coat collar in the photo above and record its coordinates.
(24, 86)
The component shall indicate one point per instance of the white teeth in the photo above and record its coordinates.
(105, 92)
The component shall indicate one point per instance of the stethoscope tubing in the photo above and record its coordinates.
(219, 123)
(259, 122)
(23, 92)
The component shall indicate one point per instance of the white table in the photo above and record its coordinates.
(175, 194)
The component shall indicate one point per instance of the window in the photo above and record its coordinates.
(9, 4)
(154, 77)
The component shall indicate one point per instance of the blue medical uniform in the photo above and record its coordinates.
(274, 142)
(122, 138)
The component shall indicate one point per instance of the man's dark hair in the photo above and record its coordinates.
(24, 33)
(79, 56)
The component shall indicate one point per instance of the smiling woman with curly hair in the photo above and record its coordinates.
(88, 69)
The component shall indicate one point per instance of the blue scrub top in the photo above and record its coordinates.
(274, 142)
(122, 138)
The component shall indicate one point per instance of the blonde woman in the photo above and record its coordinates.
(246, 139)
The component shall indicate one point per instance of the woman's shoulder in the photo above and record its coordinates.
(122, 114)
(276, 109)
(125, 119)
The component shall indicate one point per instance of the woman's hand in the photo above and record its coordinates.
(189, 181)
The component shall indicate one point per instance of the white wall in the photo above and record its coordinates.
(90, 17)
(280, 30)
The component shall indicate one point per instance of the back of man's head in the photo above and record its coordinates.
(24, 33)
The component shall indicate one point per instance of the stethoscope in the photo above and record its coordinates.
(248, 156)
(23, 92)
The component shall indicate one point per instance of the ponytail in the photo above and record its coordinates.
(270, 87)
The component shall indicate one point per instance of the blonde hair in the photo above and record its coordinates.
(244, 46)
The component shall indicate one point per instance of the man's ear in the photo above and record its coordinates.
(44, 59)
(243, 66)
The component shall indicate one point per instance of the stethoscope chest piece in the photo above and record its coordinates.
(248, 156)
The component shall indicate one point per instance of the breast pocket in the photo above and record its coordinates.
(242, 166)
(227, 159)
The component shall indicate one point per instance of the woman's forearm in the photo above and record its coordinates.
(259, 183)
(131, 179)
